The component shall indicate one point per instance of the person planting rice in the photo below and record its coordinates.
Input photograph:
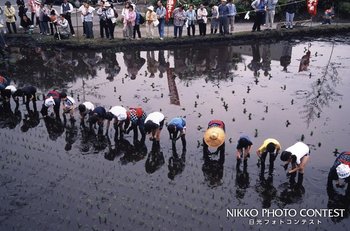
(272, 147)
(177, 129)
(68, 105)
(298, 155)
(85, 109)
(214, 137)
(154, 124)
(98, 115)
(244, 145)
(136, 118)
(340, 171)
(52, 100)
(119, 115)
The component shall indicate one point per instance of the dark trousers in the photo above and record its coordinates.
(223, 25)
(189, 30)
(137, 29)
(36, 19)
(104, 29)
(69, 19)
(272, 160)
(111, 27)
(8, 24)
(88, 29)
(259, 20)
(53, 28)
(178, 30)
(202, 28)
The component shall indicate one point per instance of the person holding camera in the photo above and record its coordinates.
(66, 10)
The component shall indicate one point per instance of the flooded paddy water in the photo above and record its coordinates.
(61, 177)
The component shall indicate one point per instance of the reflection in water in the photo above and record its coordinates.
(286, 56)
(322, 94)
(242, 180)
(132, 153)
(71, 134)
(155, 158)
(290, 195)
(176, 163)
(305, 61)
(266, 190)
(152, 64)
(213, 166)
(31, 120)
(8, 118)
(110, 63)
(264, 107)
(255, 64)
(133, 62)
(163, 64)
(54, 126)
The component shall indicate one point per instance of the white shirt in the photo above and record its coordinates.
(155, 117)
(69, 102)
(299, 150)
(119, 112)
(89, 106)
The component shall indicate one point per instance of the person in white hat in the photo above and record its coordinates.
(7, 92)
(85, 109)
(118, 113)
(151, 21)
(340, 171)
(52, 99)
(68, 104)
(154, 123)
(298, 155)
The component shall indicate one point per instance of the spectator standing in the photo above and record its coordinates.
(10, 13)
(88, 15)
(161, 11)
(214, 19)
(223, 17)
(259, 7)
(179, 20)
(151, 18)
(66, 10)
(290, 12)
(202, 20)
(231, 14)
(270, 12)
(191, 18)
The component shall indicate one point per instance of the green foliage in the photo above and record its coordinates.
(343, 9)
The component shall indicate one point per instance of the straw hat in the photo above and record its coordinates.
(214, 137)
(151, 8)
(343, 171)
(107, 4)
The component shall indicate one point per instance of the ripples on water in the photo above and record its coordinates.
(64, 177)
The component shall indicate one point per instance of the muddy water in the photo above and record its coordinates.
(61, 177)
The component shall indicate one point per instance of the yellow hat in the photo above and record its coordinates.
(214, 137)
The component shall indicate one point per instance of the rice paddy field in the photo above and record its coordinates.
(60, 176)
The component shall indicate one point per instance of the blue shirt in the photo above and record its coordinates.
(161, 12)
(223, 10)
(231, 9)
(100, 111)
(179, 123)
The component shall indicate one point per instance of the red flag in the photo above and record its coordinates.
(312, 7)
(170, 5)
